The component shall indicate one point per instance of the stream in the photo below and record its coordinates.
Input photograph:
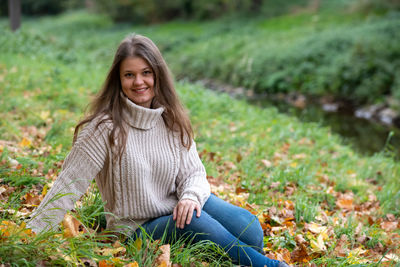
(366, 137)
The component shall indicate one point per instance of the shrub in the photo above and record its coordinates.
(356, 61)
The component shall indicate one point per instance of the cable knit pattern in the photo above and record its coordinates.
(153, 174)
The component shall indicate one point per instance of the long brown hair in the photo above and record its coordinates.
(108, 103)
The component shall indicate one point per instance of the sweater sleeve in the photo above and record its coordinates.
(192, 181)
(85, 160)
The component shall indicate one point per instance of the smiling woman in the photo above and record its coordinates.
(137, 142)
(137, 81)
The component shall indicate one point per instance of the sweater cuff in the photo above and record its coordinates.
(191, 197)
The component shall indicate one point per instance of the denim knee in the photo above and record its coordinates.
(252, 234)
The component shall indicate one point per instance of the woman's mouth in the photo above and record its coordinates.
(140, 90)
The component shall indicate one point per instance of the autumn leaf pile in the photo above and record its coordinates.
(319, 203)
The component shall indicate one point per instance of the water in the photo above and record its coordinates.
(366, 137)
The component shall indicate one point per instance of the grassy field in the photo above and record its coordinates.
(318, 201)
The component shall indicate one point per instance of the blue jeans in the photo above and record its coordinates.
(234, 229)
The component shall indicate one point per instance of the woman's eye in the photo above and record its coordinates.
(147, 72)
(128, 75)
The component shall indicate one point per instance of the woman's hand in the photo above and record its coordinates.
(183, 212)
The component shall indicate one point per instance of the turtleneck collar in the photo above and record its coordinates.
(140, 117)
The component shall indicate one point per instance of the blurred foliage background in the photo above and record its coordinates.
(346, 50)
(151, 11)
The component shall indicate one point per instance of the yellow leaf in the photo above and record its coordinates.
(58, 149)
(358, 251)
(138, 243)
(132, 264)
(25, 142)
(112, 251)
(316, 228)
(44, 115)
(318, 245)
(117, 261)
(293, 164)
(44, 191)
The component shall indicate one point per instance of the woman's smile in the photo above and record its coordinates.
(137, 81)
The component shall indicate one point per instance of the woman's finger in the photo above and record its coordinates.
(190, 214)
(198, 210)
(182, 219)
(174, 213)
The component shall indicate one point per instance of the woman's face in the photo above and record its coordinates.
(137, 81)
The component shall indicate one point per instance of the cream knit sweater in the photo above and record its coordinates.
(153, 174)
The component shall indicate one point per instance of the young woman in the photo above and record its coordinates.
(137, 142)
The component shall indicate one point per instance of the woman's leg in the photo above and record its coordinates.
(207, 228)
(240, 222)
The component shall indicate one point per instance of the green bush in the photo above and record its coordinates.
(356, 61)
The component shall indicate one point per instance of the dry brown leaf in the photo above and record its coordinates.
(299, 156)
(340, 249)
(240, 190)
(230, 165)
(300, 255)
(391, 257)
(266, 163)
(71, 226)
(88, 262)
(389, 226)
(105, 263)
(345, 203)
(390, 217)
(164, 257)
(274, 185)
(239, 157)
(33, 200)
(283, 255)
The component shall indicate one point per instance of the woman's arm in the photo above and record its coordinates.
(193, 188)
(85, 160)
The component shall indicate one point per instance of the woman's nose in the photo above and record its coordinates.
(138, 80)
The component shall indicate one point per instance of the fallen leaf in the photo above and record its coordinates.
(345, 203)
(105, 263)
(266, 163)
(164, 257)
(240, 190)
(340, 249)
(299, 239)
(391, 257)
(315, 228)
(389, 226)
(318, 245)
(132, 264)
(283, 255)
(87, 262)
(25, 142)
(300, 254)
(33, 200)
(71, 226)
